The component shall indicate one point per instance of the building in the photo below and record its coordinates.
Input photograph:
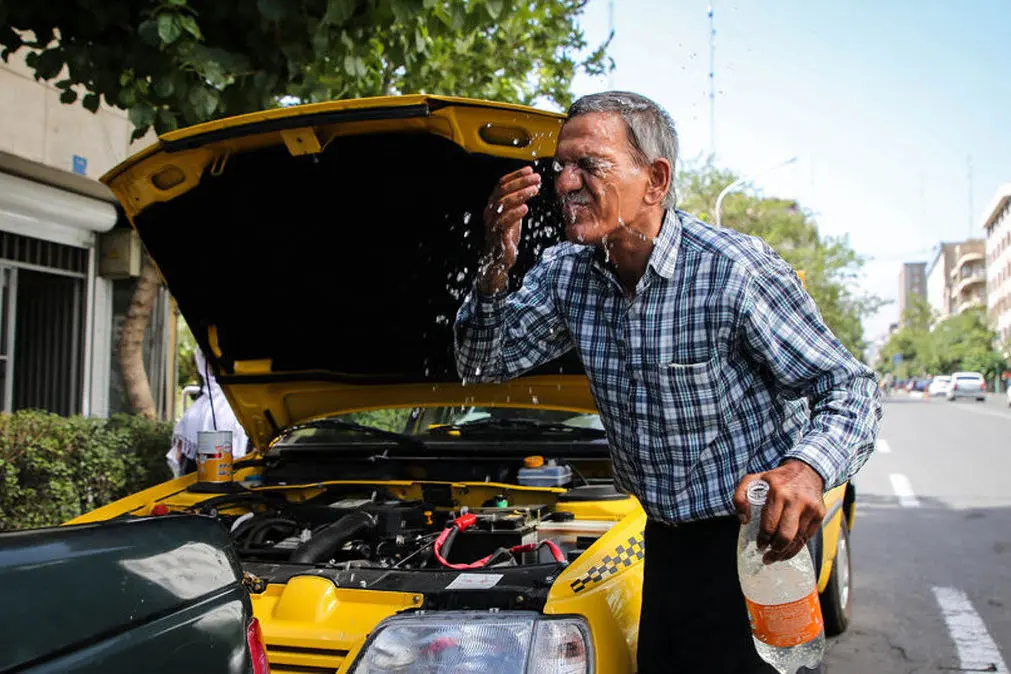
(997, 229)
(956, 278)
(968, 276)
(912, 284)
(939, 280)
(60, 307)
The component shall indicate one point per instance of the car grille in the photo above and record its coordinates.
(297, 660)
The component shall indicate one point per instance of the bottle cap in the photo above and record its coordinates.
(758, 492)
(533, 461)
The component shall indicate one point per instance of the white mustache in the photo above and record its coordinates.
(579, 198)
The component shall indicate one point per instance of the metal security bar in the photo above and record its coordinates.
(48, 342)
(43, 255)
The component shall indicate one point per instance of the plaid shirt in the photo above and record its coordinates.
(719, 366)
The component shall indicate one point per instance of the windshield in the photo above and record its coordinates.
(441, 422)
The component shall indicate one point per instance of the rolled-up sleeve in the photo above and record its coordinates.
(499, 337)
(783, 329)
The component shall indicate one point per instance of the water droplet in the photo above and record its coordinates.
(556, 166)
(466, 234)
(477, 371)
(535, 400)
(442, 319)
(461, 276)
(499, 209)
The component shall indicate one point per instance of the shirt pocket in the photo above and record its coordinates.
(689, 394)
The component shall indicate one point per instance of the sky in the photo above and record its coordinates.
(897, 111)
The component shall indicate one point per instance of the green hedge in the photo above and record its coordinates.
(55, 468)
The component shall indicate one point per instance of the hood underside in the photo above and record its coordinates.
(321, 253)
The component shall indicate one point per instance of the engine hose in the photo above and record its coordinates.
(319, 547)
(254, 531)
(439, 549)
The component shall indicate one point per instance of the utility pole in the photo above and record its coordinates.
(972, 215)
(712, 82)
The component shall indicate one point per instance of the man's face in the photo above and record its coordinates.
(599, 185)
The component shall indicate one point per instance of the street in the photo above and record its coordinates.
(932, 543)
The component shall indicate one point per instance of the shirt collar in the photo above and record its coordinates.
(663, 259)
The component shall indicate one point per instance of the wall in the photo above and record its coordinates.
(36, 126)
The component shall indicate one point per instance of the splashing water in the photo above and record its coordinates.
(466, 217)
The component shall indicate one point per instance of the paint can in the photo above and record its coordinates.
(214, 456)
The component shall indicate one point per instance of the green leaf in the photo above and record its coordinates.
(63, 84)
(420, 41)
(403, 10)
(338, 11)
(142, 115)
(189, 24)
(166, 121)
(148, 33)
(204, 101)
(272, 10)
(169, 29)
(351, 64)
(90, 102)
(163, 87)
(125, 78)
(494, 8)
(68, 96)
(49, 64)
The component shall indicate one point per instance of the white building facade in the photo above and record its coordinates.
(59, 316)
(997, 228)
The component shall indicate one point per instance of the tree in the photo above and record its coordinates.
(174, 63)
(965, 342)
(179, 62)
(832, 267)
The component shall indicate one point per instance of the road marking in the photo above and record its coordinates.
(977, 651)
(977, 410)
(884, 447)
(904, 490)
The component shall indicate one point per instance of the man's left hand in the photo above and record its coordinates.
(793, 511)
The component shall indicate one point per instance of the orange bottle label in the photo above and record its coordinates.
(786, 625)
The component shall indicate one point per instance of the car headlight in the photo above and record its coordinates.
(457, 642)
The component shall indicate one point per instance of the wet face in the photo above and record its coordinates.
(599, 184)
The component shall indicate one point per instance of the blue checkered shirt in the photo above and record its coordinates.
(719, 366)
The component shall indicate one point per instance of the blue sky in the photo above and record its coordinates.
(881, 102)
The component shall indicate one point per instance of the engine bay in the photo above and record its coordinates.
(367, 526)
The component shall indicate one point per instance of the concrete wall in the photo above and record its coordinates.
(36, 126)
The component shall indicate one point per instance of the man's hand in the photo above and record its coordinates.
(793, 512)
(503, 218)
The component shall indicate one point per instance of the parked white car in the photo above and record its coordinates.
(939, 385)
(967, 385)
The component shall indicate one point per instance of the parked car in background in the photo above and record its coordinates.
(1007, 395)
(918, 387)
(939, 385)
(967, 385)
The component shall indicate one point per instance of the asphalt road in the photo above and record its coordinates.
(932, 543)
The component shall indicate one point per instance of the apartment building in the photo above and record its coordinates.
(912, 284)
(997, 229)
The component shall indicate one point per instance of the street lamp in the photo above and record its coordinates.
(743, 181)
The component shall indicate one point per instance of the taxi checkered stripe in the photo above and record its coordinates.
(625, 555)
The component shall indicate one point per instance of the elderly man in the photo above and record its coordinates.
(709, 363)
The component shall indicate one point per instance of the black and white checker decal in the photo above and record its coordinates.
(625, 555)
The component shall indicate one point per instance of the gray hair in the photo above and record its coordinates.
(651, 131)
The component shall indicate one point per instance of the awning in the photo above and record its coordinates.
(42, 211)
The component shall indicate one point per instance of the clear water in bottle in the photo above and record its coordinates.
(782, 598)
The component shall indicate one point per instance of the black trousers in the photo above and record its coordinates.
(693, 613)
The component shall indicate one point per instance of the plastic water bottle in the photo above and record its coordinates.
(782, 598)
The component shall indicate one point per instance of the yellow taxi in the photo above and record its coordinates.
(394, 518)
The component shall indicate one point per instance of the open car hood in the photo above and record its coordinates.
(319, 253)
